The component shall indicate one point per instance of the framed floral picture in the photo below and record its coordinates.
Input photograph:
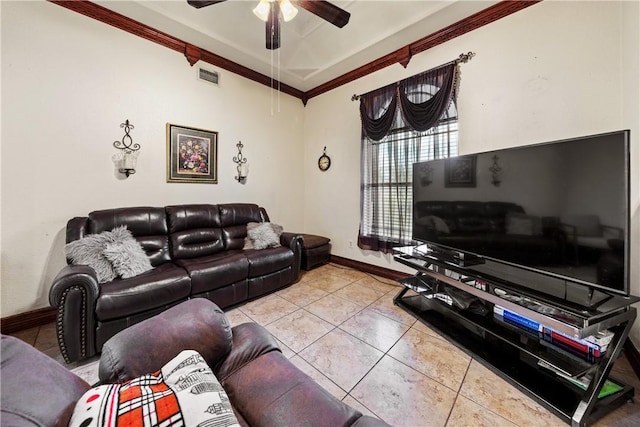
(192, 155)
(460, 171)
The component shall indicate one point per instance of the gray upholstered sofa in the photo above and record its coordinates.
(195, 251)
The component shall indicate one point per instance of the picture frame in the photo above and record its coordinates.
(192, 155)
(460, 171)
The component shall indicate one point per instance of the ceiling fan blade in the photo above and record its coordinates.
(325, 10)
(202, 3)
(272, 27)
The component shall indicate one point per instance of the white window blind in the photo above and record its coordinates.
(387, 186)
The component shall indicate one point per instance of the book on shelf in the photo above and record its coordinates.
(590, 348)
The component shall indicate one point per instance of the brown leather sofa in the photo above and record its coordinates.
(264, 388)
(195, 251)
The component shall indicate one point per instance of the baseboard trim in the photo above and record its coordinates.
(27, 320)
(42, 316)
(369, 268)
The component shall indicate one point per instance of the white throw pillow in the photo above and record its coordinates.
(185, 392)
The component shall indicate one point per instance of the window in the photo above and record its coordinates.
(387, 194)
(412, 120)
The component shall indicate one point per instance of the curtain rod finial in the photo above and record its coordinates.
(355, 97)
(466, 57)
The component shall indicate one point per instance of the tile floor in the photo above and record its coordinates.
(340, 327)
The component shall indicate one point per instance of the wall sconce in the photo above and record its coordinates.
(241, 161)
(127, 157)
(496, 172)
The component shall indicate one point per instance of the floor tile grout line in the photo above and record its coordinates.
(335, 327)
(459, 395)
(309, 345)
(369, 306)
(371, 369)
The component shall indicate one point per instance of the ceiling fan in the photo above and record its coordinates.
(270, 10)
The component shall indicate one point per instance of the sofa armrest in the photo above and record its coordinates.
(74, 293)
(36, 390)
(290, 240)
(294, 242)
(250, 341)
(271, 391)
(197, 324)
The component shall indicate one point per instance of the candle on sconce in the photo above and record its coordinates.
(243, 170)
(128, 161)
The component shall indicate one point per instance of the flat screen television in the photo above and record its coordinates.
(555, 210)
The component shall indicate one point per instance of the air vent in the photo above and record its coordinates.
(208, 76)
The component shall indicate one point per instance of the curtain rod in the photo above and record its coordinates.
(464, 58)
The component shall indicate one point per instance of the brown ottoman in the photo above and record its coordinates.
(316, 250)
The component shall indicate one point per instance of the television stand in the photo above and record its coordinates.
(461, 306)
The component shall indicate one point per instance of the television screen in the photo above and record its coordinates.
(560, 209)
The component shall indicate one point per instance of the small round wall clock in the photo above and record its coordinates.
(324, 162)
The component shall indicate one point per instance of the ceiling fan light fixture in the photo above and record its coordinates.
(288, 10)
(262, 10)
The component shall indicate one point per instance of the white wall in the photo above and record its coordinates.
(555, 70)
(68, 82)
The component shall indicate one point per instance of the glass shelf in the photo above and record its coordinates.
(459, 303)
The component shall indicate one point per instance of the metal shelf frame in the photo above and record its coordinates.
(478, 338)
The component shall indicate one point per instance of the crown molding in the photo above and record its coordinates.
(194, 54)
(405, 53)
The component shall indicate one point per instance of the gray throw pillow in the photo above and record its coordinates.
(98, 250)
(127, 257)
(262, 235)
(88, 251)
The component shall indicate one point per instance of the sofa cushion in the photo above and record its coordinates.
(194, 231)
(234, 218)
(141, 221)
(147, 224)
(183, 392)
(196, 243)
(190, 217)
(235, 237)
(239, 214)
(266, 261)
(163, 285)
(215, 271)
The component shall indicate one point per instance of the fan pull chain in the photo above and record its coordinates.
(279, 78)
(271, 73)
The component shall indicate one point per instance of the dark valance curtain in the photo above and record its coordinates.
(378, 110)
(394, 119)
(424, 98)
(427, 108)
